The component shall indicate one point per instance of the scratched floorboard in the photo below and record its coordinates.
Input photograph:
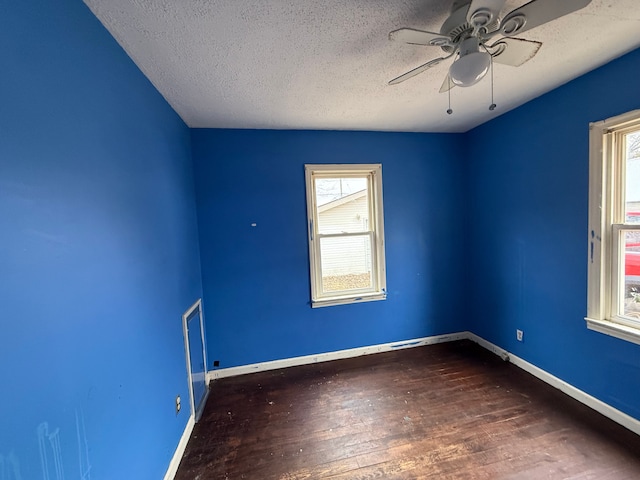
(449, 411)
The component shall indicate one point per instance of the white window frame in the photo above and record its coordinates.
(606, 222)
(376, 232)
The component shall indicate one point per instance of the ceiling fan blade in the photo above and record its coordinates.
(446, 85)
(536, 13)
(514, 51)
(419, 37)
(417, 70)
(482, 13)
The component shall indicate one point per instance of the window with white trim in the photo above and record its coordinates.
(614, 227)
(346, 233)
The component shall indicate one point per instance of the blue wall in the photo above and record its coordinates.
(529, 181)
(256, 279)
(98, 251)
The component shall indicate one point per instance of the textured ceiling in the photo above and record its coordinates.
(325, 64)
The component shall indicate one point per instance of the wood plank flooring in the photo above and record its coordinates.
(448, 411)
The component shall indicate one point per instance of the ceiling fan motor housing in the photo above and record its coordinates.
(457, 28)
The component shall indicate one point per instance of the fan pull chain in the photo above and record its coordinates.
(449, 111)
(492, 107)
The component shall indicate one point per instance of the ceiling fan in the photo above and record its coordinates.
(469, 32)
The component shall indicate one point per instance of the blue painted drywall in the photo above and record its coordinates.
(98, 252)
(256, 279)
(529, 177)
(99, 245)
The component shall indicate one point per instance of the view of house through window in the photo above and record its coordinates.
(345, 233)
(343, 210)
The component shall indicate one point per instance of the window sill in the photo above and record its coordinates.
(613, 329)
(329, 302)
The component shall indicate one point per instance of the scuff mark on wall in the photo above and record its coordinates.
(408, 344)
(83, 447)
(10, 467)
(56, 452)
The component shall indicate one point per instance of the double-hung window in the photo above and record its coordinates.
(614, 227)
(346, 233)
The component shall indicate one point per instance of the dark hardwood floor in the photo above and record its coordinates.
(448, 411)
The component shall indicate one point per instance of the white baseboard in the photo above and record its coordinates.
(182, 444)
(598, 405)
(337, 355)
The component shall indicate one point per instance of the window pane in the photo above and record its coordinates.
(346, 263)
(343, 205)
(632, 190)
(631, 301)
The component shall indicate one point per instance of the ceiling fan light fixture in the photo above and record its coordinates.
(470, 69)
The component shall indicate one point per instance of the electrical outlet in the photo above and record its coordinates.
(216, 363)
(178, 405)
(519, 335)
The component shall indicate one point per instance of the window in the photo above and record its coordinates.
(614, 227)
(346, 233)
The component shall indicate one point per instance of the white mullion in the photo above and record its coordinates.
(613, 218)
(377, 206)
(375, 276)
(607, 213)
(319, 287)
(344, 234)
(372, 201)
(617, 269)
(598, 230)
(314, 248)
(619, 179)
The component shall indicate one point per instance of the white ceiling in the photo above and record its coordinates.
(325, 64)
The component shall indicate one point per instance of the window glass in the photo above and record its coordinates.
(346, 263)
(632, 177)
(631, 291)
(342, 205)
